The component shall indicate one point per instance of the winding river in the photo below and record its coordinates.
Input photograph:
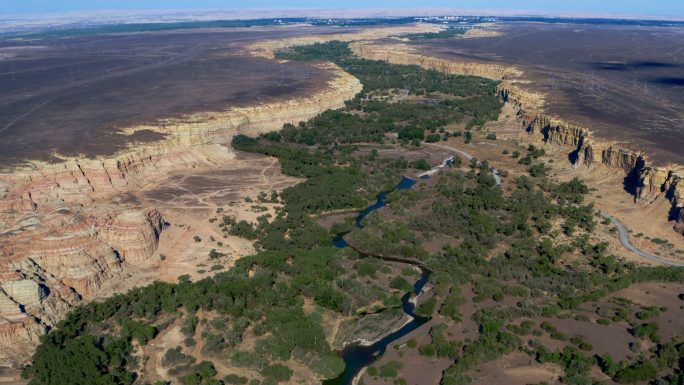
(624, 238)
(356, 356)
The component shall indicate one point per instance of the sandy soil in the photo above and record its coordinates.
(189, 199)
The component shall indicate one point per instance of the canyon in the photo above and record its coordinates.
(69, 227)
(73, 218)
(649, 182)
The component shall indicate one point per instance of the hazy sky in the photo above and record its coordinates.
(652, 7)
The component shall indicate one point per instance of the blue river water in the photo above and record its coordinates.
(357, 357)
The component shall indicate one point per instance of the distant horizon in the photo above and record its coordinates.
(658, 8)
(349, 12)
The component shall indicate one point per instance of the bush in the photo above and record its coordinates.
(391, 369)
(205, 369)
(412, 343)
(400, 283)
(235, 379)
(639, 372)
(427, 350)
(559, 336)
(420, 164)
(279, 371)
(586, 346)
(426, 309)
(372, 371)
(603, 321)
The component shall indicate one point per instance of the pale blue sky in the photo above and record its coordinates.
(652, 7)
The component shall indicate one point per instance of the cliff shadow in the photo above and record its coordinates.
(673, 214)
(631, 181)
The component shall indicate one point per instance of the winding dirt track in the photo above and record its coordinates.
(624, 238)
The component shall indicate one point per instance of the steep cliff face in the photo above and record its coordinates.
(49, 261)
(81, 181)
(679, 227)
(58, 245)
(403, 54)
(134, 234)
(650, 182)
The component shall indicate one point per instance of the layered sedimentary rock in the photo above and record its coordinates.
(82, 180)
(403, 54)
(49, 261)
(57, 245)
(134, 233)
(651, 182)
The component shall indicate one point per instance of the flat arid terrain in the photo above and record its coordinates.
(624, 83)
(344, 205)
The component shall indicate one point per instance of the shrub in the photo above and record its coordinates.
(603, 321)
(559, 336)
(427, 350)
(401, 284)
(586, 346)
(235, 379)
(639, 372)
(391, 369)
(412, 343)
(279, 371)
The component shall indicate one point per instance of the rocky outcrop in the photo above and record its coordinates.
(81, 181)
(58, 244)
(134, 234)
(403, 54)
(679, 227)
(650, 182)
(49, 261)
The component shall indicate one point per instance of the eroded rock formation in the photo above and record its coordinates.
(52, 260)
(650, 181)
(679, 227)
(60, 241)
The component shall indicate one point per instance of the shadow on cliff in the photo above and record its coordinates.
(674, 213)
(631, 181)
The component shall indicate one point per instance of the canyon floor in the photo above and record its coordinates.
(624, 83)
(115, 152)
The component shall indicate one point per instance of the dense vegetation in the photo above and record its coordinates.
(512, 242)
